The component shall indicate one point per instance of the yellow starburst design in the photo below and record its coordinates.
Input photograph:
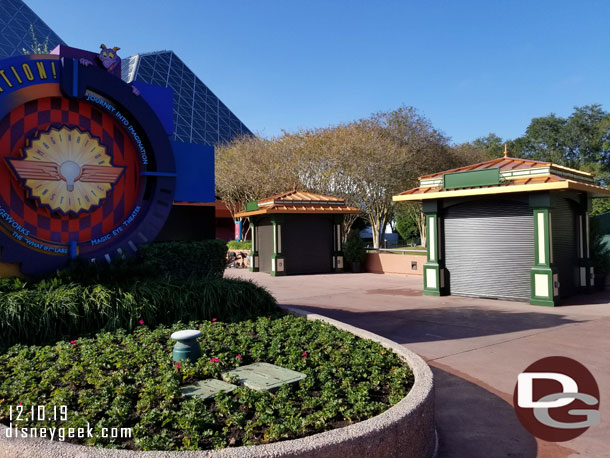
(66, 170)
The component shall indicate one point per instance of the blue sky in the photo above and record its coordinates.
(471, 67)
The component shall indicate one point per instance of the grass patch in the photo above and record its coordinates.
(164, 283)
(127, 380)
(49, 310)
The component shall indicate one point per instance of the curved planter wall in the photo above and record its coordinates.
(406, 430)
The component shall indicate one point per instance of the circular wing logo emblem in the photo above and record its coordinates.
(66, 170)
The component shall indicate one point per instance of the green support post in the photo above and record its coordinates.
(338, 244)
(586, 274)
(434, 269)
(278, 267)
(543, 276)
(254, 267)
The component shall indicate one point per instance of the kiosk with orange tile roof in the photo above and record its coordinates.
(296, 233)
(507, 228)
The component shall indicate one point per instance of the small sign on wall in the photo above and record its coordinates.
(238, 230)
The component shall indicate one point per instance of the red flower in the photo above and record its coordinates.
(73, 342)
(141, 321)
(178, 365)
(213, 319)
(239, 355)
(304, 354)
(214, 360)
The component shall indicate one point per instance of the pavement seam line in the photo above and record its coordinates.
(505, 341)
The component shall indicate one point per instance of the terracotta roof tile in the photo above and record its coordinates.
(300, 202)
(515, 182)
(503, 163)
(300, 196)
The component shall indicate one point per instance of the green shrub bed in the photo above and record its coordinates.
(170, 261)
(127, 380)
(242, 245)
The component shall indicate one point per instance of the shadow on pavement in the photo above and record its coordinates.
(441, 323)
(597, 297)
(473, 422)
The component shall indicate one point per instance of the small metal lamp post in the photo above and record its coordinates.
(186, 346)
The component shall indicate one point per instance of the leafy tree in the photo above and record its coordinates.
(251, 168)
(37, 47)
(406, 214)
(389, 151)
(467, 153)
(600, 250)
(492, 145)
(365, 162)
(319, 159)
(545, 139)
(600, 206)
(409, 215)
(580, 141)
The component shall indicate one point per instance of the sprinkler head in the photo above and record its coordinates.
(186, 346)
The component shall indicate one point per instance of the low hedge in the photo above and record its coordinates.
(206, 258)
(160, 260)
(52, 309)
(127, 380)
(242, 245)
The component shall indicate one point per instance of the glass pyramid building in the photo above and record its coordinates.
(15, 34)
(199, 116)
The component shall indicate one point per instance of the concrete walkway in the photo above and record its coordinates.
(476, 348)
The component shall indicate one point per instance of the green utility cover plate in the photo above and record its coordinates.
(206, 389)
(263, 376)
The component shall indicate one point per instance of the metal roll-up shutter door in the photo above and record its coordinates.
(563, 227)
(489, 249)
